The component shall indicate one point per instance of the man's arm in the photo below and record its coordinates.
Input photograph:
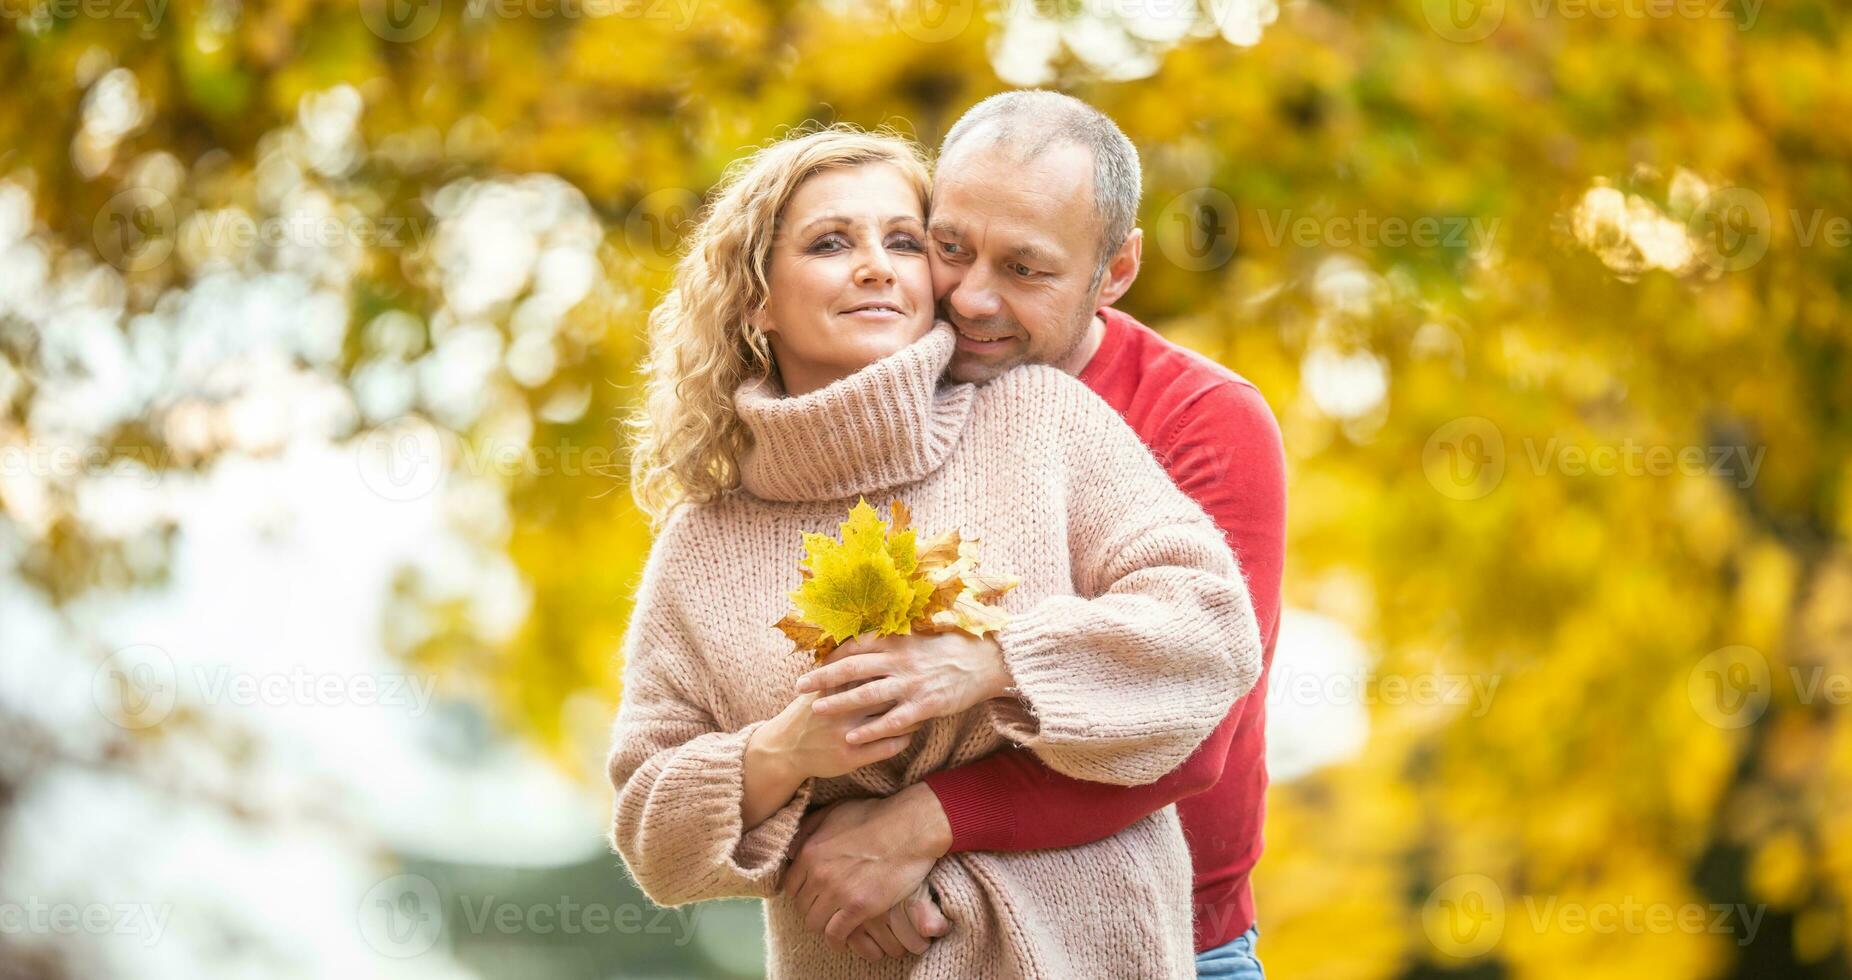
(1228, 458)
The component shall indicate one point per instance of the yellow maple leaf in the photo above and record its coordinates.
(876, 580)
(864, 583)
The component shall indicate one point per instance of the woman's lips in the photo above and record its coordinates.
(875, 313)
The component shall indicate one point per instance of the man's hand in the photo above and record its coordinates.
(924, 676)
(906, 929)
(859, 859)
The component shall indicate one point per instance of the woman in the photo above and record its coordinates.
(794, 367)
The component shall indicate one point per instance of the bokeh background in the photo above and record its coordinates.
(317, 319)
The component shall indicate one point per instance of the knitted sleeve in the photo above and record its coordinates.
(1121, 682)
(679, 780)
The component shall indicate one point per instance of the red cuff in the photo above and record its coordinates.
(977, 805)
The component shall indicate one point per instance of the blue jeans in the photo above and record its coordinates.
(1233, 960)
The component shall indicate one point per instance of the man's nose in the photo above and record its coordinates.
(972, 298)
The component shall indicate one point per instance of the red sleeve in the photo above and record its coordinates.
(1227, 454)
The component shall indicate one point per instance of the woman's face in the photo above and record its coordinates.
(849, 279)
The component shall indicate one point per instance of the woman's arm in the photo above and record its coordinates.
(768, 782)
(702, 813)
(680, 821)
(800, 744)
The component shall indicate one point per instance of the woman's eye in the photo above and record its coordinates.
(907, 242)
(829, 243)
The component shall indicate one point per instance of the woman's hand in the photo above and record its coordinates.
(807, 744)
(922, 676)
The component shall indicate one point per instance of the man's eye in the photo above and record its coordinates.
(948, 248)
(1022, 270)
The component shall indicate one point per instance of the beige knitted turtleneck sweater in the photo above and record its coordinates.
(1132, 635)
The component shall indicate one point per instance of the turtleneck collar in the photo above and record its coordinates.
(887, 425)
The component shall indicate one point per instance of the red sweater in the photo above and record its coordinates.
(1215, 435)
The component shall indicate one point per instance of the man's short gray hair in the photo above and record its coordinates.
(1032, 120)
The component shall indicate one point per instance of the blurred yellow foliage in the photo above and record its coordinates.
(1471, 420)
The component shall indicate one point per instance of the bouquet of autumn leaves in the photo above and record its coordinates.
(878, 580)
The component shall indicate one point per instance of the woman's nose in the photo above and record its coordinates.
(874, 268)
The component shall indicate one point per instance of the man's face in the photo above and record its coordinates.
(1014, 245)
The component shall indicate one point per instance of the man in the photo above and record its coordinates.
(1033, 237)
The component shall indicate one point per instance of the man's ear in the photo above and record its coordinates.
(1123, 268)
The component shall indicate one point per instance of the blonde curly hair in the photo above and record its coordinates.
(688, 438)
